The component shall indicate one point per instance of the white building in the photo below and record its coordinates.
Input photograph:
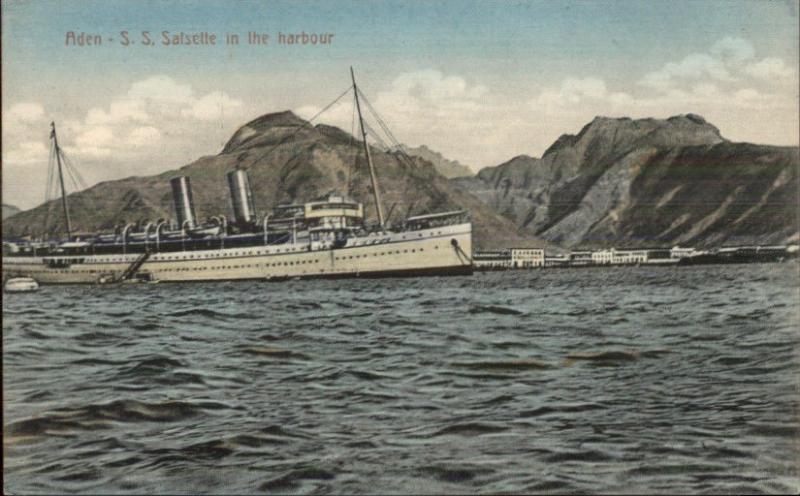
(629, 257)
(612, 256)
(557, 261)
(678, 252)
(526, 258)
(583, 257)
(511, 258)
(603, 257)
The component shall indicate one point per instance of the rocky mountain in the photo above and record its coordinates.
(444, 166)
(288, 160)
(623, 182)
(9, 210)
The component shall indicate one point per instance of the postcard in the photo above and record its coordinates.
(401, 247)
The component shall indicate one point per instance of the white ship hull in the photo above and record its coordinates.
(445, 250)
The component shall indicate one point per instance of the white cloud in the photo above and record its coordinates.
(771, 69)
(213, 106)
(27, 152)
(25, 111)
(95, 136)
(151, 108)
(574, 91)
(728, 62)
(145, 135)
(733, 50)
(119, 111)
(727, 78)
(422, 102)
(162, 89)
(694, 67)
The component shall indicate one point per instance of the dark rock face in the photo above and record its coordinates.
(444, 166)
(288, 160)
(648, 182)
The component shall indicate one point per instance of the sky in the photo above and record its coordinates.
(480, 82)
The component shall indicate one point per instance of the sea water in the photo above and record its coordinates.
(638, 379)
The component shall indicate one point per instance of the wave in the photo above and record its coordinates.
(512, 365)
(592, 456)
(368, 376)
(469, 429)
(280, 431)
(96, 336)
(675, 469)
(293, 479)
(304, 305)
(270, 352)
(451, 474)
(547, 409)
(96, 361)
(36, 335)
(25, 311)
(212, 314)
(147, 326)
(399, 321)
(614, 356)
(67, 422)
(495, 309)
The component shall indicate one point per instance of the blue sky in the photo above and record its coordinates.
(479, 81)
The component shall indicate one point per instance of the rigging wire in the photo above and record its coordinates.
(397, 145)
(350, 146)
(80, 184)
(401, 156)
(300, 127)
(48, 190)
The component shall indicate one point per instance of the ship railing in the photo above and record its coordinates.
(435, 220)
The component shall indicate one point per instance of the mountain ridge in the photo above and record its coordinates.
(446, 167)
(9, 210)
(618, 181)
(584, 188)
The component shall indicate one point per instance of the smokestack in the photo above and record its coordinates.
(182, 199)
(244, 210)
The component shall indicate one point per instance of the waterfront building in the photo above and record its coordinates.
(509, 258)
(678, 252)
(628, 257)
(492, 259)
(526, 258)
(603, 257)
(557, 261)
(613, 256)
(578, 258)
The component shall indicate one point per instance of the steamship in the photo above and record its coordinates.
(325, 238)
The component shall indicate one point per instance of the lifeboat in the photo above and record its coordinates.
(21, 285)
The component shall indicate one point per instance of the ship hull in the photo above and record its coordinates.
(439, 251)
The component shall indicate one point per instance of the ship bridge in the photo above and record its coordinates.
(333, 212)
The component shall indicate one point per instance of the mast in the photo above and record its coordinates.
(372, 177)
(61, 179)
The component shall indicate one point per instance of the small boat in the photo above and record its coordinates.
(21, 285)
